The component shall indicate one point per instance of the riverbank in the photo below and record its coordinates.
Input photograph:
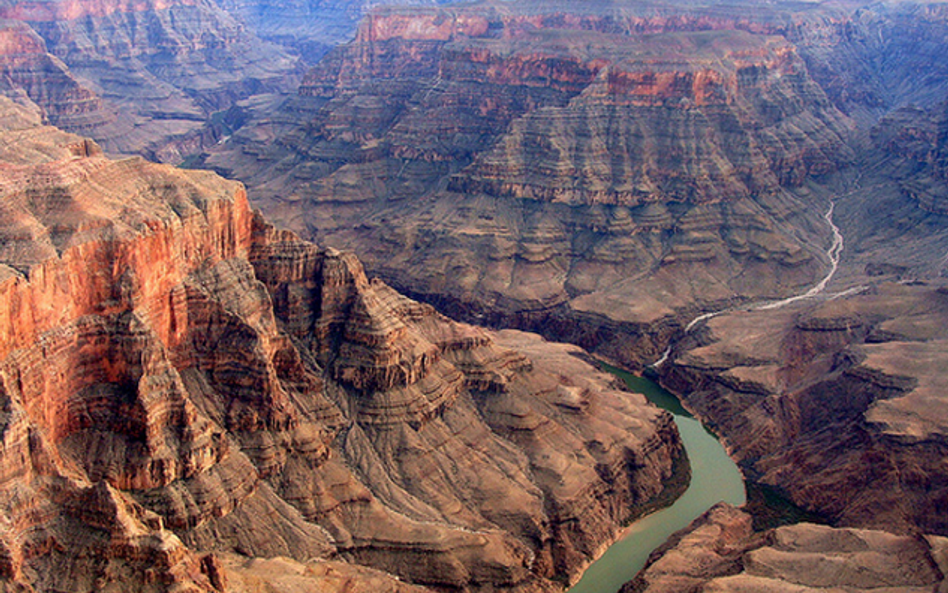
(714, 478)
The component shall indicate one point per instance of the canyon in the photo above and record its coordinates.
(184, 385)
(200, 396)
(608, 174)
(524, 168)
(157, 78)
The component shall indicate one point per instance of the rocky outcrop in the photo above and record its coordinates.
(181, 381)
(161, 76)
(837, 404)
(719, 552)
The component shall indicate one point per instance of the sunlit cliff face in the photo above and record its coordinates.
(183, 381)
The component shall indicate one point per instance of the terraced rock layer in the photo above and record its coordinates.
(542, 167)
(840, 405)
(157, 78)
(839, 401)
(32, 73)
(182, 382)
(719, 552)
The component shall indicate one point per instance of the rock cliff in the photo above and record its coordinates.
(539, 166)
(719, 552)
(913, 147)
(195, 400)
(29, 69)
(838, 404)
(160, 78)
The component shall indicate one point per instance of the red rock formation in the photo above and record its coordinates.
(596, 173)
(179, 378)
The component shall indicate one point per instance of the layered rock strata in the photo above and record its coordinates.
(874, 57)
(840, 405)
(912, 145)
(158, 78)
(719, 552)
(182, 381)
(539, 168)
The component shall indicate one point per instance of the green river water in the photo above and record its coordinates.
(714, 478)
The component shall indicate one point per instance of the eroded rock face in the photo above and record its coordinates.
(154, 72)
(538, 166)
(838, 404)
(29, 69)
(180, 381)
(914, 143)
(876, 57)
(719, 552)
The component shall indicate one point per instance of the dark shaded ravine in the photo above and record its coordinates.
(714, 478)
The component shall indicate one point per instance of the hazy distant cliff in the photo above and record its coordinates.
(153, 73)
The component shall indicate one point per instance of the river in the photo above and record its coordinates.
(714, 477)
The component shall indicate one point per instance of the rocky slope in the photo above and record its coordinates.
(181, 382)
(839, 404)
(874, 57)
(30, 71)
(913, 147)
(154, 74)
(719, 552)
(529, 166)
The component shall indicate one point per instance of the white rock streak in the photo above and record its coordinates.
(833, 253)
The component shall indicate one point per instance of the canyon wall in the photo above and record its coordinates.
(607, 174)
(838, 404)
(597, 174)
(157, 78)
(183, 386)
